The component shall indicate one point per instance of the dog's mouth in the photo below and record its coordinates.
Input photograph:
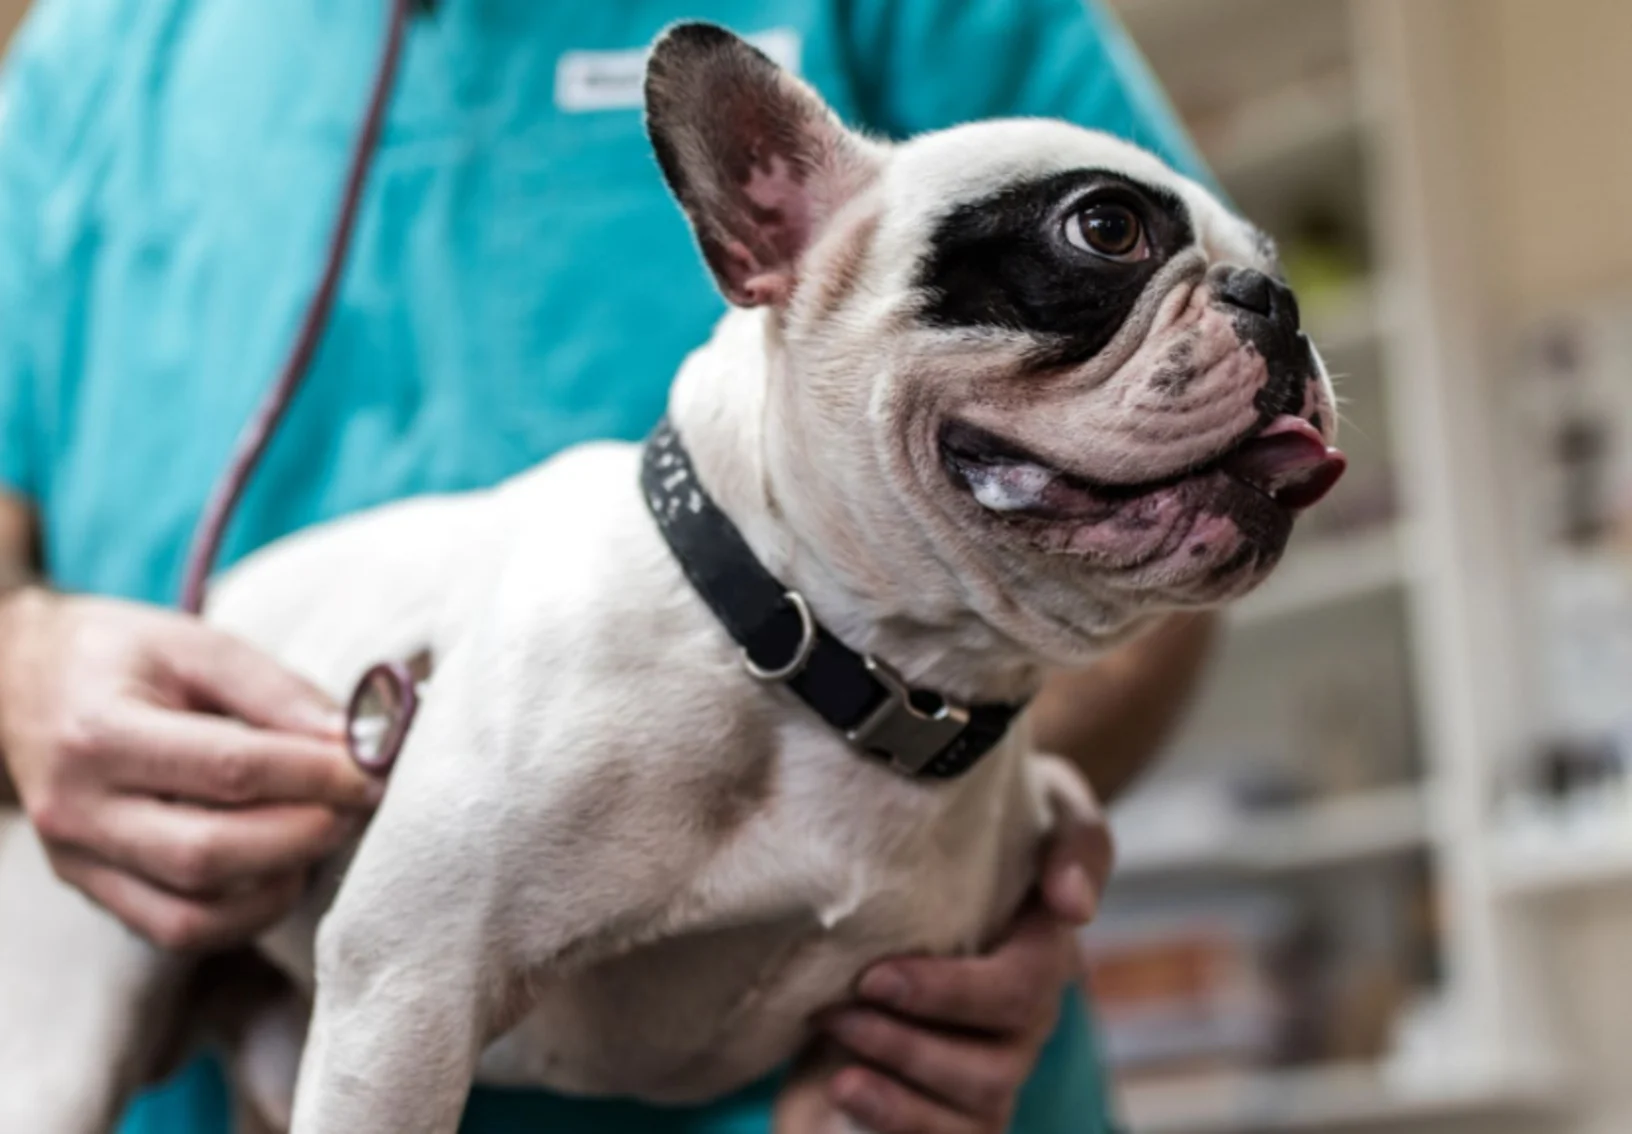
(1285, 462)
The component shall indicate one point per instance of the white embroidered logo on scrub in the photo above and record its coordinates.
(614, 80)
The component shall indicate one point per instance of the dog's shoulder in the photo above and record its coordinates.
(590, 609)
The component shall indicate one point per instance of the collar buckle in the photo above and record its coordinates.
(908, 728)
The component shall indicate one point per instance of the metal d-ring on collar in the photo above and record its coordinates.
(910, 734)
(918, 732)
(801, 652)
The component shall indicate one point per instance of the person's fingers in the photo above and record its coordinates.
(228, 675)
(210, 759)
(884, 1106)
(1013, 989)
(201, 852)
(1076, 865)
(976, 1078)
(177, 923)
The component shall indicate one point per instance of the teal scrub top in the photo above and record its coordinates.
(519, 282)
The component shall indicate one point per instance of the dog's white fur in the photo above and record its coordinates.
(609, 862)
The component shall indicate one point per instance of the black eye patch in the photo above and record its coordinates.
(1005, 262)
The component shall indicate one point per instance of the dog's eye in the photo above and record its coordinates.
(1111, 231)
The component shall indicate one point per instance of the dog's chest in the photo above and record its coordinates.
(816, 888)
(805, 861)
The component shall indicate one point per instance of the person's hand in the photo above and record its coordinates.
(947, 1044)
(175, 774)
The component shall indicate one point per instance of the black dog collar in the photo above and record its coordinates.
(920, 733)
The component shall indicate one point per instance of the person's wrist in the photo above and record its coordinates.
(24, 591)
(17, 605)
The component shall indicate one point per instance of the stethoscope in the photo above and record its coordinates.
(386, 697)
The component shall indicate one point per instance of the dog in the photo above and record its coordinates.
(988, 402)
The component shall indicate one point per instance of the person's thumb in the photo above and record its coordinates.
(226, 674)
(1076, 864)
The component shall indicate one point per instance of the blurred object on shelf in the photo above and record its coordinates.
(1349, 1097)
(1191, 985)
(1368, 996)
(1312, 689)
(1564, 821)
(1566, 824)
(1423, 1048)
(1577, 441)
(1568, 771)
(1222, 975)
(1204, 828)
(1585, 608)
(1340, 731)
(1325, 265)
(1573, 406)
(1587, 850)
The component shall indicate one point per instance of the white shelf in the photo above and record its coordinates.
(1563, 860)
(1323, 572)
(1349, 1096)
(1365, 826)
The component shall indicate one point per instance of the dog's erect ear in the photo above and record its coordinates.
(755, 156)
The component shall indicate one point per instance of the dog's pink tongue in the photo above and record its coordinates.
(1289, 462)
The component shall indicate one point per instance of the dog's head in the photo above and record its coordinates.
(1050, 364)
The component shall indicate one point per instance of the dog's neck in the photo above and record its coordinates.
(734, 420)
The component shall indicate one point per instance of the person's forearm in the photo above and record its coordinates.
(19, 560)
(1112, 718)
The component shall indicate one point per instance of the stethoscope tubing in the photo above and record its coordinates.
(263, 424)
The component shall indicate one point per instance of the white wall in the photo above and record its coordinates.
(1553, 145)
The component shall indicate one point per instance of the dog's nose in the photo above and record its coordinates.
(1252, 290)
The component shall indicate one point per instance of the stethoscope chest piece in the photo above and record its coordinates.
(379, 715)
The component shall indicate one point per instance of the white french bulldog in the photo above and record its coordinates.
(989, 401)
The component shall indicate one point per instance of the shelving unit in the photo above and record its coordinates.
(1553, 861)
(1569, 871)
(1369, 825)
(1341, 1096)
(1320, 573)
(1330, 124)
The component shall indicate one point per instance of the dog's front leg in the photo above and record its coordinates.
(393, 1041)
(464, 887)
(405, 969)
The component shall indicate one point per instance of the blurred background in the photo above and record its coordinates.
(1384, 879)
